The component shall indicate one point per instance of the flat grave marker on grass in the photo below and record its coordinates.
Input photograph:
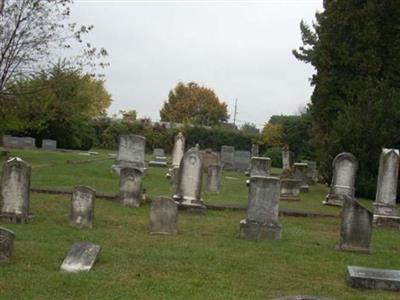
(371, 278)
(81, 257)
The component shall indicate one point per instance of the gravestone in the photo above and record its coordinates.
(18, 142)
(173, 176)
(300, 173)
(255, 150)
(209, 157)
(356, 227)
(263, 210)
(130, 187)
(28, 142)
(190, 182)
(227, 157)
(286, 158)
(158, 152)
(241, 161)
(164, 216)
(160, 160)
(370, 278)
(260, 166)
(179, 150)
(312, 171)
(82, 207)
(6, 244)
(131, 152)
(15, 190)
(49, 144)
(214, 175)
(345, 167)
(290, 189)
(386, 193)
(81, 257)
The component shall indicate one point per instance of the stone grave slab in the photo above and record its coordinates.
(370, 278)
(81, 257)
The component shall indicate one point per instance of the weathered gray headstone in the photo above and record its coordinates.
(300, 173)
(385, 201)
(179, 150)
(242, 161)
(173, 176)
(6, 244)
(163, 216)
(227, 157)
(260, 166)
(49, 144)
(158, 152)
(160, 160)
(356, 227)
(345, 167)
(290, 189)
(214, 175)
(18, 142)
(286, 163)
(130, 187)
(190, 181)
(15, 190)
(262, 210)
(131, 152)
(370, 278)
(81, 257)
(209, 157)
(255, 150)
(82, 206)
(312, 171)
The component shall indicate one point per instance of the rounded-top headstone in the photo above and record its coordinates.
(6, 244)
(82, 206)
(163, 216)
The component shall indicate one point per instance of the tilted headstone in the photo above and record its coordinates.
(227, 157)
(345, 167)
(312, 172)
(290, 189)
(214, 175)
(286, 158)
(81, 257)
(242, 161)
(15, 190)
(255, 150)
(179, 150)
(163, 216)
(262, 210)
(49, 144)
(370, 278)
(82, 207)
(131, 152)
(209, 157)
(6, 244)
(190, 181)
(130, 187)
(300, 173)
(356, 227)
(386, 193)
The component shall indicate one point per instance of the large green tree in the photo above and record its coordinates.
(355, 107)
(193, 104)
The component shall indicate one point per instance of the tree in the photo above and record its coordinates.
(129, 115)
(355, 107)
(250, 129)
(194, 104)
(61, 111)
(31, 31)
(272, 135)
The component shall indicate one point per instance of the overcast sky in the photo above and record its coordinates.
(239, 49)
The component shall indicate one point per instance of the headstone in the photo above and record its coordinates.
(82, 206)
(130, 187)
(49, 144)
(345, 167)
(227, 157)
(356, 227)
(81, 257)
(300, 173)
(312, 171)
(255, 150)
(15, 190)
(158, 152)
(18, 142)
(370, 278)
(6, 244)
(386, 193)
(260, 166)
(173, 176)
(214, 175)
(209, 157)
(242, 161)
(286, 163)
(160, 160)
(131, 152)
(190, 182)
(179, 150)
(262, 210)
(290, 189)
(28, 142)
(164, 216)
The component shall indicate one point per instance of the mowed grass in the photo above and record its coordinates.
(206, 260)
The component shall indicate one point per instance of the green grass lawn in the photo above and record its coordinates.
(206, 260)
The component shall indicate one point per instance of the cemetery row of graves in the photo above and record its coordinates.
(265, 192)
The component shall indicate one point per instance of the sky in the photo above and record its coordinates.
(240, 49)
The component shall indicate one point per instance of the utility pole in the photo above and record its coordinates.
(235, 113)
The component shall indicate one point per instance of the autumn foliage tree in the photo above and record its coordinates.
(193, 104)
